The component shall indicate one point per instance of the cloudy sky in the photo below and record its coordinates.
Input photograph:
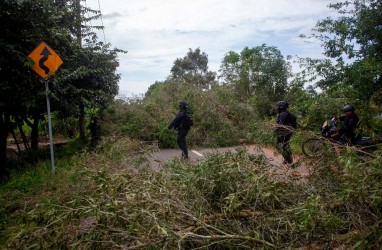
(156, 32)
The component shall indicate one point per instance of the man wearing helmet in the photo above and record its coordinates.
(178, 124)
(350, 123)
(284, 131)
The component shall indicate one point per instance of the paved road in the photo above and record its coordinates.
(159, 158)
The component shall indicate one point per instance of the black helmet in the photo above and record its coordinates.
(348, 108)
(183, 105)
(282, 104)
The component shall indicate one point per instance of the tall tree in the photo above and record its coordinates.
(89, 72)
(90, 79)
(193, 68)
(354, 40)
(261, 71)
(23, 25)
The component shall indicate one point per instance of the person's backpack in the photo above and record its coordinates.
(187, 120)
(292, 120)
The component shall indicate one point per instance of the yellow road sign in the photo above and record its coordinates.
(46, 61)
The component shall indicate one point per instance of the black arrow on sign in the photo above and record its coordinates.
(45, 52)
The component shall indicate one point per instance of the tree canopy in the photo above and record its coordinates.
(353, 43)
(193, 68)
(86, 78)
(257, 70)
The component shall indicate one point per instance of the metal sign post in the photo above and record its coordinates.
(50, 126)
(46, 62)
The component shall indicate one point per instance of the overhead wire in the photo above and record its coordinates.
(90, 21)
(103, 30)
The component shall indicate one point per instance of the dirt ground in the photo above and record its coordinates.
(159, 158)
(12, 149)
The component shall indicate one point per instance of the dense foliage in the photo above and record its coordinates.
(356, 35)
(109, 196)
(87, 79)
(193, 68)
(257, 72)
(220, 120)
(112, 198)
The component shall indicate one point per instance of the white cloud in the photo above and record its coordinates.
(155, 33)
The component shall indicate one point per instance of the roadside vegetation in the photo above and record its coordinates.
(105, 195)
(110, 198)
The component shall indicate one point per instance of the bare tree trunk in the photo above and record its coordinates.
(20, 121)
(16, 141)
(4, 131)
(34, 133)
(81, 122)
(23, 136)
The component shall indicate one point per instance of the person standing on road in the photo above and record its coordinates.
(182, 122)
(284, 131)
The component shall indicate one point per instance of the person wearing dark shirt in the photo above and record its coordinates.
(178, 124)
(284, 132)
(350, 123)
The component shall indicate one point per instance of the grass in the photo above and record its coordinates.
(109, 198)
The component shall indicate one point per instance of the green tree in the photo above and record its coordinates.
(23, 25)
(257, 72)
(87, 75)
(89, 80)
(353, 42)
(193, 68)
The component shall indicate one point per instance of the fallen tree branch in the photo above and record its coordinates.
(238, 215)
(224, 237)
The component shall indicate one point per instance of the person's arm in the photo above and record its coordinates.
(176, 120)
